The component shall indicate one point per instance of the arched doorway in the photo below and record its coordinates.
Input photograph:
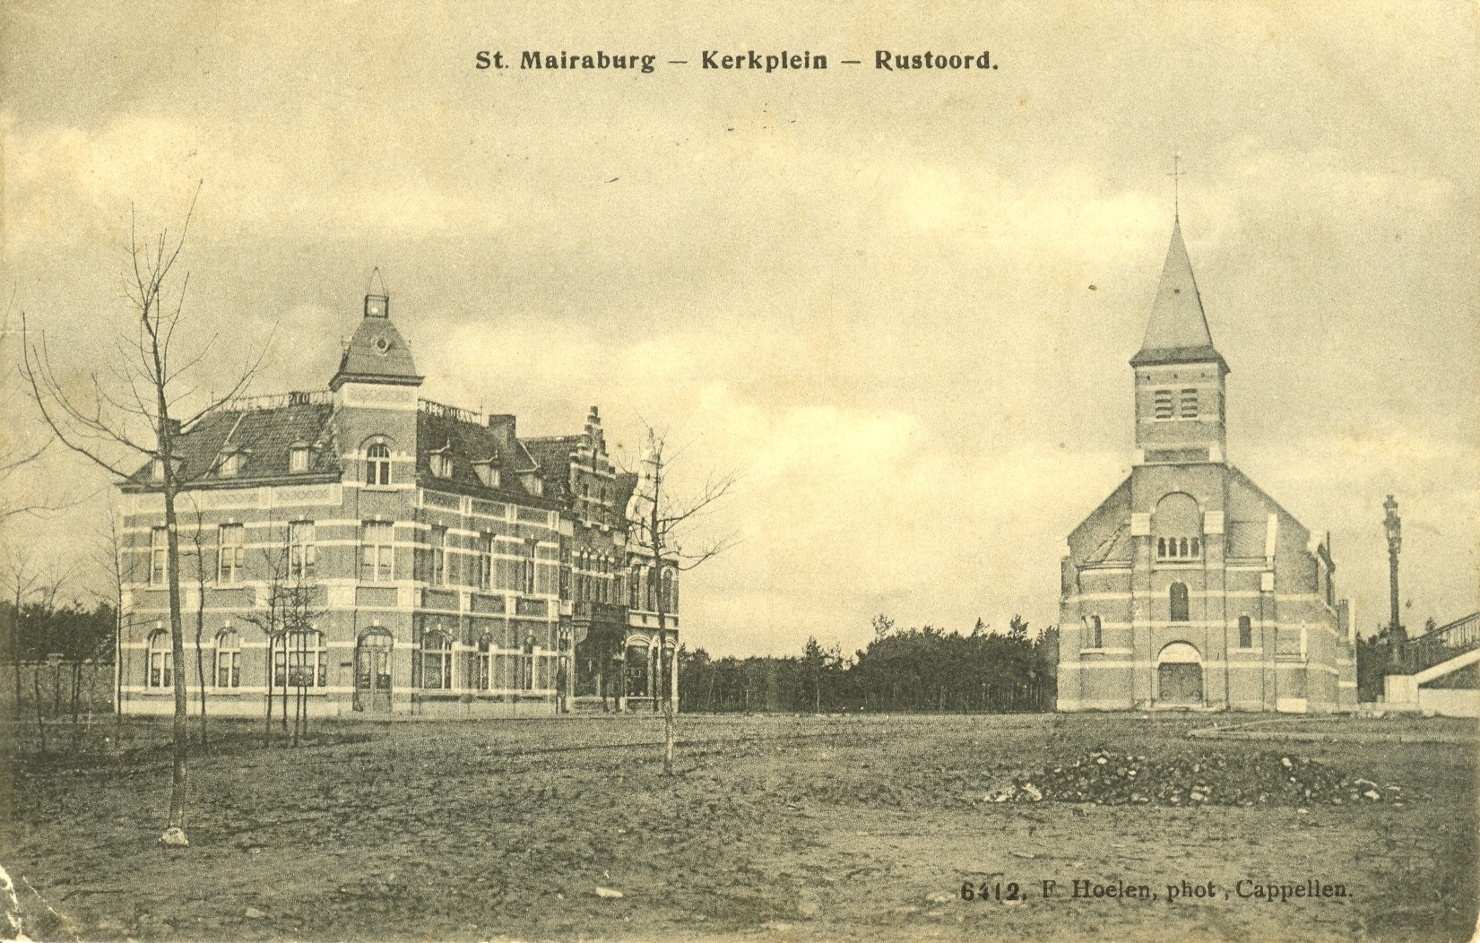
(373, 672)
(1179, 675)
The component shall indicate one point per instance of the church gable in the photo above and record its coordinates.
(1104, 536)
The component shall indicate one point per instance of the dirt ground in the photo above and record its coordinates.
(774, 828)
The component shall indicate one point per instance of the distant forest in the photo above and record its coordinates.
(914, 669)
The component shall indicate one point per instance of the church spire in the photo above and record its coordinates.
(1177, 331)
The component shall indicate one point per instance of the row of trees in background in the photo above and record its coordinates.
(914, 669)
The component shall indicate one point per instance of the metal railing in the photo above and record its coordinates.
(434, 408)
(1442, 644)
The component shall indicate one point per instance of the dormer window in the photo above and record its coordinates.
(231, 464)
(487, 473)
(532, 483)
(298, 458)
(441, 462)
(156, 469)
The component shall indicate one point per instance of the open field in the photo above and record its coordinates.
(774, 828)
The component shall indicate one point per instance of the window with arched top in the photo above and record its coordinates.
(1177, 600)
(667, 591)
(228, 660)
(378, 464)
(1097, 631)
(436, 661)
(161, 661)
(1176, 523)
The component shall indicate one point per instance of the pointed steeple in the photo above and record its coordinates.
(1177, 331)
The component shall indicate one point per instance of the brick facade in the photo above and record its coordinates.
(1189, 587)
(391, 555)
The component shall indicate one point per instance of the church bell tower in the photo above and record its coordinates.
(1179, 374)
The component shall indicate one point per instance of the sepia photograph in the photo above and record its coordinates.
(739, 472)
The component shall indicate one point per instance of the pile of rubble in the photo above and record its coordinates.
(1188, 778)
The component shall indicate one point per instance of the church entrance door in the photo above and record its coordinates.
(1179, 675)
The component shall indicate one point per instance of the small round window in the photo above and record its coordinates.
(382, 344)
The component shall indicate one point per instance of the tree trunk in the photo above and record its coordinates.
(40, 725)
(180, 745)
(267, 728)
(200, 664)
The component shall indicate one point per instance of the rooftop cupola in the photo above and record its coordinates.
(376, 352)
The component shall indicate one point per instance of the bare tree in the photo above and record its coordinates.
(662, 528)
(286, 621)
(28, 456)
(132, 412)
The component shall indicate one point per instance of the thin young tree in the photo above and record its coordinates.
(131, 412)
(287, 619)
(198, 545)
(662, 528)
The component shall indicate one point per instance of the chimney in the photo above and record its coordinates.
(503, 425)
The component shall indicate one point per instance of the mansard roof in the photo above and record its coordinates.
(553, 453)
(1177, 331)
(262, 432)
(468, 442)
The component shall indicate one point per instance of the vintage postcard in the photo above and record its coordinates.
(769, 471)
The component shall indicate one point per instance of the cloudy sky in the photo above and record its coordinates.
(900, 305)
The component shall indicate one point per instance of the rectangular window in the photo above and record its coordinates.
(228, 669)
(1189, 404)
(302, 551)
(299, 661)
(159, 549)
(439, 556)
(485, 561)
(376, 552)
(231, 538)
(230, 464)
(1163, 404)
(298, 459)
(1245, 632)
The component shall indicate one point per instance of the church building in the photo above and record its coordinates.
(375, 552)
(1189, 587)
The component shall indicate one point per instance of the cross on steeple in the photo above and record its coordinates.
(1177, 174)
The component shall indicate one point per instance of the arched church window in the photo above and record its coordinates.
(1177, 599)
(1196, 548)
(1097, 632)
(1161, 548)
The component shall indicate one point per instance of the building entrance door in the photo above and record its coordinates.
(1179, 675)
(373, 672)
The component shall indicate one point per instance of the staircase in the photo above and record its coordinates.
(1429, 657)
(1444, 650)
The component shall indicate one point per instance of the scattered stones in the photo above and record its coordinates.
(608, 893)
(808, 909)
(1189, 778)
(252, 913)
(174, 838)
(939, 897)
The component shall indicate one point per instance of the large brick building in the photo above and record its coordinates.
(389, 554)
(1189, 586)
